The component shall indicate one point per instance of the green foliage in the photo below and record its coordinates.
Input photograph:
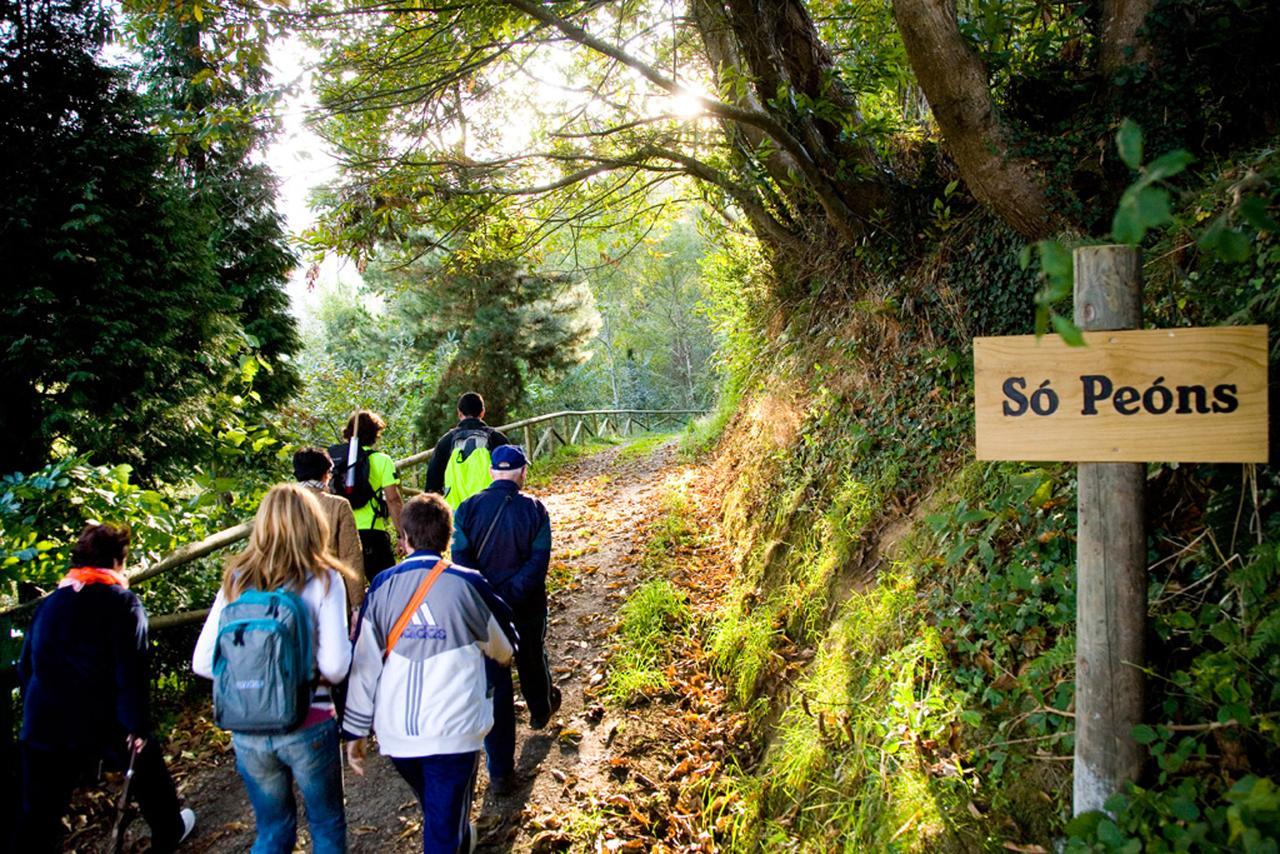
(357, 358)
(220, 94)
(215, 124)
(1246, 818)
(1145, 204)
(655, 345)
(1058, 270)
(1217, 695)
(129, 326)
(1183, 93)
(736, 280)
(653, 616)
(42, 513)
(986, 574)
(509, 325)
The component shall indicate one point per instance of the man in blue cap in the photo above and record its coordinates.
(506, 535)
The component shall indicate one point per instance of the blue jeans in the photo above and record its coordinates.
(270, 764)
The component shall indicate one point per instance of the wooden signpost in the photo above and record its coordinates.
(1128, 397)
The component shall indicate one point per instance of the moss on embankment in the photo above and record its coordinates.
(901, 624)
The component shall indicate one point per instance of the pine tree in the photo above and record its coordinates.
(510, 325)
(120, 321)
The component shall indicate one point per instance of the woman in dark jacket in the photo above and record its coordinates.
(85, 690)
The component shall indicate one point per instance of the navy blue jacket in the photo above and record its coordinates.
(518, 552)
(84, 669)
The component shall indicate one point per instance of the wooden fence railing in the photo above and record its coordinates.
(540, 435)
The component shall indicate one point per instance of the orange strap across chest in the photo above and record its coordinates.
(415, 602)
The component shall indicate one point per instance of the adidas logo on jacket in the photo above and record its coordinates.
(430, 695)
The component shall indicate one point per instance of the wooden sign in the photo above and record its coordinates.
(1157, 395)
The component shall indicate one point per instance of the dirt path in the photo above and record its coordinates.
(572, 771)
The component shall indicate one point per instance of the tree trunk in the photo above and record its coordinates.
(775, 45)
(954, 79)
(1120, 45)
(722, 52)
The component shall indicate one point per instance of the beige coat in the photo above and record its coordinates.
(346, 542)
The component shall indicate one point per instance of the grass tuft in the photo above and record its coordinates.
(647, 623)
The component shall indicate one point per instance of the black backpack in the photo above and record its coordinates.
(362, 492)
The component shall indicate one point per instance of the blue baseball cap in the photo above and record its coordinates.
(508, 458)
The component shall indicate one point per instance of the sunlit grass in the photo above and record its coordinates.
(545, 468)
(844, 763)
(647, 623)
(703, 433)
(643, 444)
(741, 647)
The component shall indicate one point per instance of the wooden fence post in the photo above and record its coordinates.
(1111, 546)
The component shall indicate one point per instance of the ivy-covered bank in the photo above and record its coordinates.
(901, 625)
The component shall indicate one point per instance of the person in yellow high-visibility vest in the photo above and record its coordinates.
(460, 466)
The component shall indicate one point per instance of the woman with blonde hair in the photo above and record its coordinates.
(289, 553)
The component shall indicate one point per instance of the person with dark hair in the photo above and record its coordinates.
(313, 468)
(418, 674)
(506, 534)
(86, 697)
(459, 468)
(369, 482)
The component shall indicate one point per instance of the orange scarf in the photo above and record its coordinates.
(79, 576)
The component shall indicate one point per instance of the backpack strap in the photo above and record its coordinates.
(415, 602)
(489, 533)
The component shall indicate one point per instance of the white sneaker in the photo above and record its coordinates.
(188, 817)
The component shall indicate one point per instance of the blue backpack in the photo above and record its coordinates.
(263, 663)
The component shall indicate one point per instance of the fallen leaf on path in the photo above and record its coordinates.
(644, 781)
(551, 840)
(682, 769)
(624, 803)
(547, 821)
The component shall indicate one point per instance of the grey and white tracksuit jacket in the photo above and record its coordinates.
(429, 696)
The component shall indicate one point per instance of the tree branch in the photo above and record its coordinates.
(954, 79)
(842, 217)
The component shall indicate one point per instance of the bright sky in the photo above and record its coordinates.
(301, 162)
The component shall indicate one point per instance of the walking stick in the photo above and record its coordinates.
(115, 843)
